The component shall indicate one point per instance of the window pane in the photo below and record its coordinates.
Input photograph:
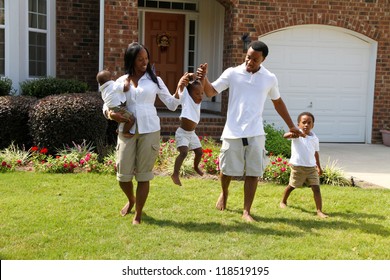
(192, 27)
(32, 20)
(2, 12)
(2, 52)
(191, 44)
(42, 6)
(42, 21)
(37, 54)
(32, 6)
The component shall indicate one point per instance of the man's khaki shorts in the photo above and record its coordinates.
(236, 159)
(136, 156)
(303, 176)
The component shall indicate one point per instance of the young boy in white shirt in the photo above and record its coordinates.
(305, 161)
(186, 138)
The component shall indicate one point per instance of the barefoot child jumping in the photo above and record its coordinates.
(305, 161)
(186, 138)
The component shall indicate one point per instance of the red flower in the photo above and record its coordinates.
(3, 163)
(34, 149)
(44, 151)
(279, 159)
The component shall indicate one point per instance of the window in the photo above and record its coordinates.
(2, 38)
(37, 38)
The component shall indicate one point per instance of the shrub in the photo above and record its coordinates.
(333, 175)
(275, 143)
(278, 170)
(5, 86)
(59, 120)
(14, 114)
(52, 86)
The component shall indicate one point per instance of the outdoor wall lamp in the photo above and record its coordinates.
(245, 41)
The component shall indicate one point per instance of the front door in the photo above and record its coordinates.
(164, 38)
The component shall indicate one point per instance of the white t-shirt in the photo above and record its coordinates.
(303, 150)
(247, 95)
(189, 109)
(140, 101)
(112, 93)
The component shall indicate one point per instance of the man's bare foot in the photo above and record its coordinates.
(247, 217)
(127, 208)
(282, 205)
(198, 171)
(221, 202)
(136, 222)
(176, 179)
(321, 214)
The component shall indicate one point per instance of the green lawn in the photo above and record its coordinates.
(76, 216)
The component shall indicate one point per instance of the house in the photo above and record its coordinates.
(331, 57)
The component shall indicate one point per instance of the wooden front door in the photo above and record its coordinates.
(164, 38)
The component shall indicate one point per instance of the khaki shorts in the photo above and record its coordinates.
(136, 156)
(236, 159)
(187, 138)
(303, 176)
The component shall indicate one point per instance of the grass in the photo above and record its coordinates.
(76, 217)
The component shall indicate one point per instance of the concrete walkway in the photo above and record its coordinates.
(368, 163)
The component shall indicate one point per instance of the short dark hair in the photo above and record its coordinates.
(305, 114)
(259, 46)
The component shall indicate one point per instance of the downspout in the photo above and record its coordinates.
(101, 36)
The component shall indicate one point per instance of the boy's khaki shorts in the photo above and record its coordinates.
(303, 176)
(136, 156)
(236, 159)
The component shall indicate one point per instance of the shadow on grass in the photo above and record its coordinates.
(359, 221)
(270, 225)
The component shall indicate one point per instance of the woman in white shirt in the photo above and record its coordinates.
(136, 156)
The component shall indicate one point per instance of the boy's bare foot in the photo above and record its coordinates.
(221, 202)
(321, 214)
(247, 217)
(176, 179)
(198, 171)
(127, 208)
(282, 205)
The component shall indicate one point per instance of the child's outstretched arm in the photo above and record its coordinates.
(183, 82)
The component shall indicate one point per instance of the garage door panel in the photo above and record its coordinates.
(324, 71)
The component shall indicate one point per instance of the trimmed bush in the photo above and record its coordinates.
(5, 86)
(14, 114)
(275, 143)
(61, 120)
(51, 86)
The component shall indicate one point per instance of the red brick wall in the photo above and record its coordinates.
(78, 35)
(78, 40)
(368, 17)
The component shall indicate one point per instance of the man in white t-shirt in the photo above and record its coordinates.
(243, 137)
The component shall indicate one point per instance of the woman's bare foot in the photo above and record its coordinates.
(282, 205)
(127, 208)
(137, 219)
(198, 171)
(247, 217)
(176, 179)
(321, 214)
(221, 202)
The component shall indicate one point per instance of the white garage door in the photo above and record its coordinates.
(324, 71)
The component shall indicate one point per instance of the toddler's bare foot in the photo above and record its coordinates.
(282, 205)
(127, 208)
(247, 217)
(221, 202)
(127, 135)
(176, 179)
(321, 214)
(198, 171)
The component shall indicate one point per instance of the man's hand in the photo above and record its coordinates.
(201, 72)
(296, 132)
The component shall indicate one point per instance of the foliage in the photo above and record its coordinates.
(14, 115)
(275, 143)
(278, 170)
(210, 161)
(15, 155)
(52, 86)
(59, 120)
(333, 175)
(5, 86)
